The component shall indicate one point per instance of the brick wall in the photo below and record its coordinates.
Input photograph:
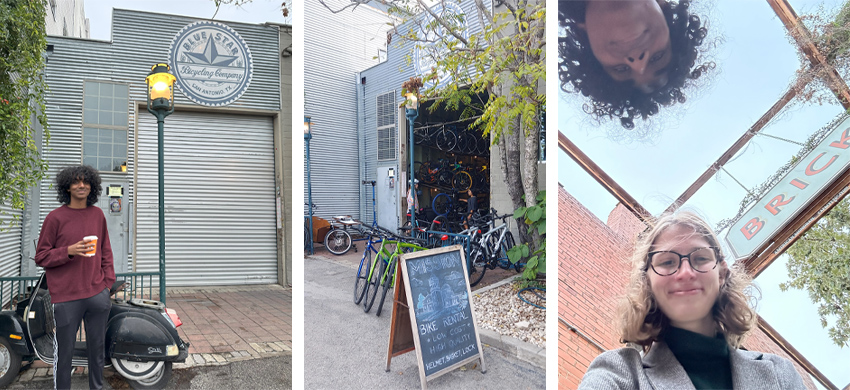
(592, 274)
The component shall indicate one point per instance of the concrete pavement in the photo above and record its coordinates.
(347, 348)
(266, 373)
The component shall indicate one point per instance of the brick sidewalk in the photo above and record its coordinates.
(230, 319)
(222, 324)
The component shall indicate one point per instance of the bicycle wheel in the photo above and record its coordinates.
(388, 283)
(405, 229)
(461, 181)
(362, 276)
(374, 284)
(509, 243)
(461, 142)
(482, 146)
(476, 263)
(498, 257)
(425, 173)
(439, 224)
(338, 241)
(470, 143)
(446, 140)
(445, 178)
(441, 204)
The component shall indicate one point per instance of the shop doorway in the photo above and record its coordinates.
(451, 157)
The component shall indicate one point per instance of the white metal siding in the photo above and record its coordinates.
(336, 46)
(10, 242)
(219, 199)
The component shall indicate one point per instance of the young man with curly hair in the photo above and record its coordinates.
(79, 284)
(629, 57)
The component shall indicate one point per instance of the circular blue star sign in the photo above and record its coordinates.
(211, 62)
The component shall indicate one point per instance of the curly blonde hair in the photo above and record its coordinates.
(640, 320)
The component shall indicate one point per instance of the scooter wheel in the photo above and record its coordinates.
(10, 363)
(156, 376)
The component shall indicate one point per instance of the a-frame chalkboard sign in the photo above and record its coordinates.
(432, 313)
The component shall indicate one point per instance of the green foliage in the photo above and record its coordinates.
(535, 218)
(509, 53)
(819, 263)
(22, 89)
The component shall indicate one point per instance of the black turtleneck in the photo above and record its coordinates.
(705, 359)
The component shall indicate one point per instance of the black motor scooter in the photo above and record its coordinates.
(141, 337)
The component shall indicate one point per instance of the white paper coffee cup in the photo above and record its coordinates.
(94, 242)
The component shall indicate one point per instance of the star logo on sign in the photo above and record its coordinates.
(210, 56)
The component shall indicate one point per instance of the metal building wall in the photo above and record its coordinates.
(336, 46)
(386, 77)
(10, 241)
(127, 59)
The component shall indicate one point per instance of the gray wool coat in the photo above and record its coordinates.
(659, 370)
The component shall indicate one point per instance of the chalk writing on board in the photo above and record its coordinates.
(444, 321)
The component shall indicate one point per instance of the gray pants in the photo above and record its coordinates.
(95, 312)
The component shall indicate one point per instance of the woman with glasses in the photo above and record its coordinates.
(688, 311)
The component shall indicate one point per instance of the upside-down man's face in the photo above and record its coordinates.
(631, 40)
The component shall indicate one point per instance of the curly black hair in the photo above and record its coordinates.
(580, 71)
(70, 175)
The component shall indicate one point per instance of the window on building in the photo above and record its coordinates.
(387, 131)
(382, 55)
(105, 115)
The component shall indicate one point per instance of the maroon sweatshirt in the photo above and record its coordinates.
(70, 278)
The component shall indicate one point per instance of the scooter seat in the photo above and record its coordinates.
(118, 285)
(151, 304)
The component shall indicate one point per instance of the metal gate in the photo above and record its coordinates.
(219, 199)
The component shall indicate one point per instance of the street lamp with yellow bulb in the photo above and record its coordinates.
(161, 104)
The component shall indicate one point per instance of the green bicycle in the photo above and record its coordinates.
(385, 276)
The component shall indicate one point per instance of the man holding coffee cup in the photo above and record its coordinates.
(76, 255)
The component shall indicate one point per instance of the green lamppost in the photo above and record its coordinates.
(161, 104)
(412, 111)
(308, 135)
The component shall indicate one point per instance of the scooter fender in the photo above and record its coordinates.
(12, 325)
(138, 336)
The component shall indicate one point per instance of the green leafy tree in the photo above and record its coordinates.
(497, 74)
(827, 30)
(22, 89)
(535, 218)
(819, 262)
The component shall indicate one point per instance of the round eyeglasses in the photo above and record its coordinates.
(666, 263)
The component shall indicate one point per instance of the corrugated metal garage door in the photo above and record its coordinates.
(219, 199)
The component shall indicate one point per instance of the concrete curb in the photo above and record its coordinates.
(495, 285)
(260, 350)
(522, 350)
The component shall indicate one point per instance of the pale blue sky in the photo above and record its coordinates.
(755, 64)
(99, 12)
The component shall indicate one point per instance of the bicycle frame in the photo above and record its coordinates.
(492, 252)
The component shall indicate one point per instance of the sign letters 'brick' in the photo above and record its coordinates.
(792, 193)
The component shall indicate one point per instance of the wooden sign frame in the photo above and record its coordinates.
(403, 328)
